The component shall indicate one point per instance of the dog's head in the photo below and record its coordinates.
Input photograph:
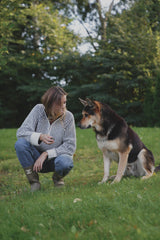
(91, 114)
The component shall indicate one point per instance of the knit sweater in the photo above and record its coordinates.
(62, 130)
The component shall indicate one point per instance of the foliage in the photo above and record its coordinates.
(124, 67)
(38, 49)
(82, 209)
(156, 109)
(33, 33)
(131, 54)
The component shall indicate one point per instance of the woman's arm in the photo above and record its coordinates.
(28, 127)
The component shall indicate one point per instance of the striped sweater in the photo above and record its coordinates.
(62, 130)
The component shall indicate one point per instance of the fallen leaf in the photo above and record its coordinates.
(139, 196)
(41, 225)
(73, 229)
(77, 200)
(24, 229)
(90, 223)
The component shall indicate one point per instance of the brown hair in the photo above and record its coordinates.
(52, 95)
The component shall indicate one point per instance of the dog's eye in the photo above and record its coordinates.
(86, 115)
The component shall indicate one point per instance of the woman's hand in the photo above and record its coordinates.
(39, 162)
(46, 139)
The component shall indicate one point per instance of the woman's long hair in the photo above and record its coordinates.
(52, 96)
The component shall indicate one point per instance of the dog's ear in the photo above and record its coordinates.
(90, 103)
(87, 102)
(83, 102)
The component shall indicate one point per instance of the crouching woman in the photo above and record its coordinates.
(47, 139)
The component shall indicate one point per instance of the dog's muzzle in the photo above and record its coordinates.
(83, 127)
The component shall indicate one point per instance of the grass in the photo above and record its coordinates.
(83, 209)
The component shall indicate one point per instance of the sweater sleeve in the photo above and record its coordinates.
(69, 141)
(28, 128)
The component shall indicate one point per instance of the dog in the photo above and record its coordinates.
(117, 141)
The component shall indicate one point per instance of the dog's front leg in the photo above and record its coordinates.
(106, 161)
(123, 159)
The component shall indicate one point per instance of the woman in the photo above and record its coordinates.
(47, 139)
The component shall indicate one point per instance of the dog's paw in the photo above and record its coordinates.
(102, 182)
(146, 177)
(99, 183)
(116, 181)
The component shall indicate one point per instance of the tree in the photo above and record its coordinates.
(132, 53)
(155, 106)
(123, 66)
(33, 35)
(38, 49)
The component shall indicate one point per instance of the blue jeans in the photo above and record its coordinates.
(28, 154)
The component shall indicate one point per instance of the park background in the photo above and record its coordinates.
(41, 45)
(116, 61)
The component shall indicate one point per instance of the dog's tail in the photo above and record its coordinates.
(157, 169)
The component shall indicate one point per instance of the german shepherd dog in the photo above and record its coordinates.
(117, 141)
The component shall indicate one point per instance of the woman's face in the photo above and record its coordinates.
(60, 109)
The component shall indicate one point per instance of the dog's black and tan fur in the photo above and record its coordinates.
(117, 141)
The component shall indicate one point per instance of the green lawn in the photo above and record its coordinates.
(82, 209)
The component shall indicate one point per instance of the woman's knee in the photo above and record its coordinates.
(63, 164)
(26, 153)
(21, 144)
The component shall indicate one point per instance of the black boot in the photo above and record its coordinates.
(33, 178)
(58, 180)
